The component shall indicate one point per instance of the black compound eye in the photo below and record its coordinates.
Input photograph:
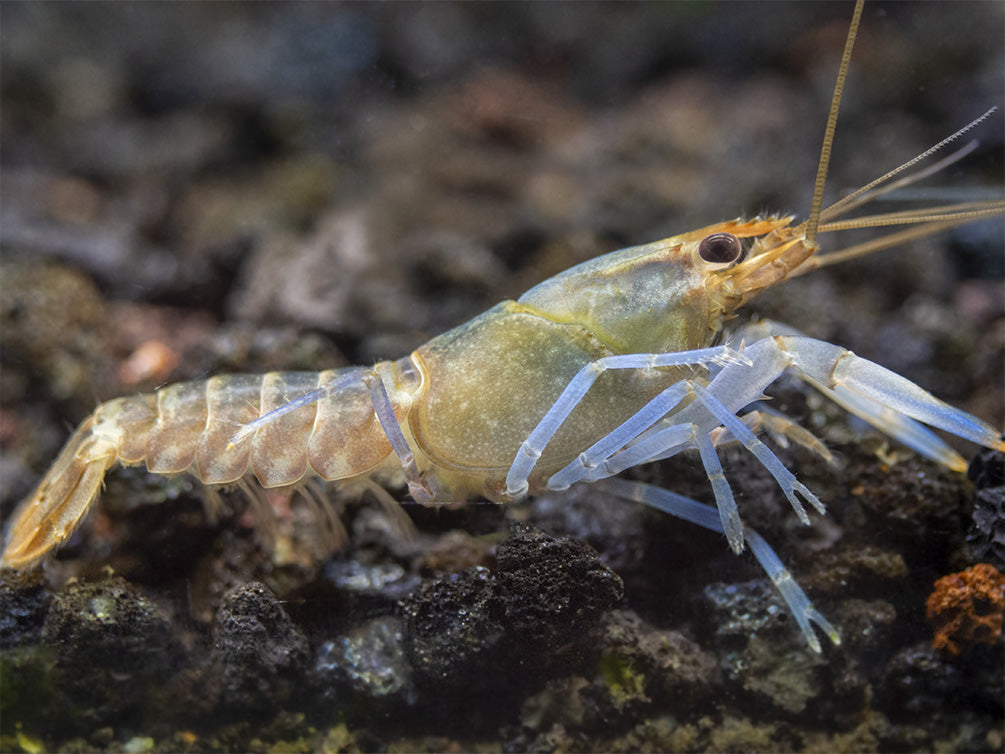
(720, 248)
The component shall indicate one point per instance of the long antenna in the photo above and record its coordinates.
(813, 221)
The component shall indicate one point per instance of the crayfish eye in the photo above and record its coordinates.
(720, 248)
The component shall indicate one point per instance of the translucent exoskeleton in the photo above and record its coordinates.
(613, 363)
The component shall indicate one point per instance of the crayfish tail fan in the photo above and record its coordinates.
(48, 517)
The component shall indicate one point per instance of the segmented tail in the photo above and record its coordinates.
(303, 425)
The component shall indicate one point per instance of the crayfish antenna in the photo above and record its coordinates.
(816, 206)
(925, 221)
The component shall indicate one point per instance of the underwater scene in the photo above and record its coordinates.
(196, 191)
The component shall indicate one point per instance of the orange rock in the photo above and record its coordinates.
(153, 360)
(967, 608)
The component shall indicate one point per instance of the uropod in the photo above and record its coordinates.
(619, 361)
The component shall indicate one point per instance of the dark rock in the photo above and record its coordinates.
(671, 666)
(917, 506)
(262, 657)
(986, 538)
(868, 630)
(866, 625)
(27, 681)
(24, 601)
(987, 469)
(639, 669)
(28, 691)
(540, 609)
(553, 591)
(453, 626)
(112, 647)
(918, 680)
(861, 568)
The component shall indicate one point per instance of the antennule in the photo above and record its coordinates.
(862, 195)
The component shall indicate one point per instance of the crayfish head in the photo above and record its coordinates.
(735, 269)
(669, 295)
